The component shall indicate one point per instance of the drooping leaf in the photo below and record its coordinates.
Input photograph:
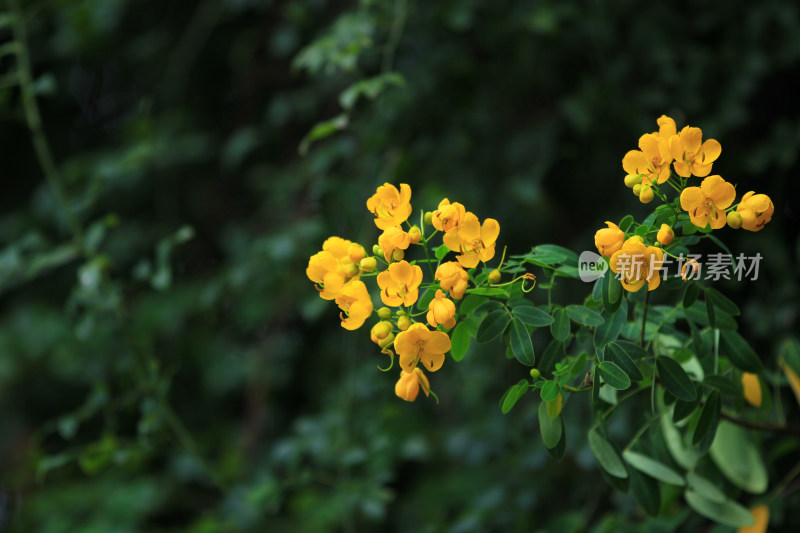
(741, 355)
(560, 327)
(513, 394)
(738, 458)
(459, 341)
(653, 468)
(675, 378)
(646, 491)
(617, 355)
(607, 456)
(551, 429)
(726, 512)
(493, 325)
(521, 343)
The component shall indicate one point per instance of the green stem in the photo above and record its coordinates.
(644, 316)
(34, 120)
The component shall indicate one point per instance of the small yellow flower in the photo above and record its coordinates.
(390, 206)
(442, 311)
(637, 264)
(734, 219)
(665, 234)
(407, 386)
(323, 270)
(392, 239)
(452, 277)
(368, 264)
(448, 216)
(652, 160)
(399, 284)
(418, 344)
(344, 251)
(692, 155)
(474, 241)
(706, 204)
(752, 389)
(609, 240)
(355, 303)
(646, 194)
(755, 210)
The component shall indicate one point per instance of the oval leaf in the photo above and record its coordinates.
(584, 315)
(613, 375)
(739, 352)
(675, 379)
(618, 356)
(493, 325)
(521, 343)
(653, 468)
(533, 316)
(607, 456)
(722, 302)
(551, 429)
(726, 512)
(550, 391)
(560, 326)
(738, 459)
(459, 341)
(611, 328)
(514, 393)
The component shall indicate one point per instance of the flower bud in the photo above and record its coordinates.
(632, 179)
(494, 276)
(368, 264)
(351, 269)
(386, 341)
(609, 240)
(734, 220)
(428, 218)
(377, 250)
(637, 189)
(415, 234)
(752, 389)
(398, 255)
(400, 312)
(356, 252)
(381, 329)
(384, 313)
(535, 374)
(403, 323)
(665, 234)
(646, 194)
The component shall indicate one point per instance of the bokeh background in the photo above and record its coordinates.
(180, 373)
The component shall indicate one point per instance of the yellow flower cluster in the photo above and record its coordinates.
(670, 157)
(338, 269)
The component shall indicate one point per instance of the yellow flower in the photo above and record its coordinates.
(323, 270)
(392, 239)
(474, 242)
(652, 160)
(441, 311)
(665, 234)
(609, 240)
(448, 216)
(355, 303)
(390, 206)
(637, 264)
(344, 251)
(695, 270)
(452, 277)
(756, 210)
(706, 204)
(692, 157)
(752, 389)
(407, 386)
(418, 344)
(400, 284)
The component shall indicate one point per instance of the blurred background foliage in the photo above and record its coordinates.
(165, 365)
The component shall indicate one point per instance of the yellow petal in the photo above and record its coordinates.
(701, 171)
(718, 191)
(691, 137)
(682, 169)
(635, 162)
(489, 231)
(666, 126)
(469, 260)
(405, 193)
(401, 271)
(692, 198)
(709, 152)
(471, 228)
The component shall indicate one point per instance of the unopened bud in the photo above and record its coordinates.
(356, 252)
(377, 250)
(535, 374)
(384, 313)
(494, 276)
(632, 179)
(637, 189)
(351, 269)
(386, 341)
(368, 264)
(415, 234)
(403, 323)
(382, 329)
(428, 218)
(734, 219)
(646, 195)
(398, 254)
(665, 235)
